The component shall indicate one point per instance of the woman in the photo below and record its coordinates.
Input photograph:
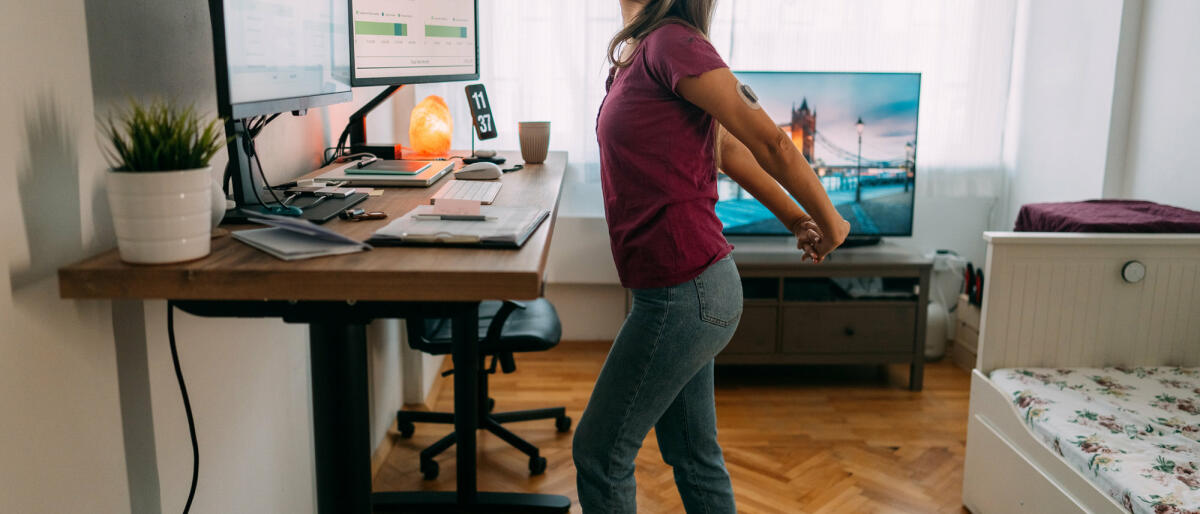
(672, 108)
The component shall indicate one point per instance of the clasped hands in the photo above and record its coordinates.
(816, 242)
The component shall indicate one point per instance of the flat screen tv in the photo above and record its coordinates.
(859, 133)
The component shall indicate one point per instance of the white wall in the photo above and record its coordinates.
(1061, 104)
(248, 379)
(1165, 125)
(79, 416)
(61, 449)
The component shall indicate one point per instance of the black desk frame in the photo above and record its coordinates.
(341, 435)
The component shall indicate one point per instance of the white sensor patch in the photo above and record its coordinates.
(748, 96)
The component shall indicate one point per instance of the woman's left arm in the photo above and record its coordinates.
(720, 94)
(739, 164)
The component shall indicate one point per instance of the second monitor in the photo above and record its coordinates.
(397, 42)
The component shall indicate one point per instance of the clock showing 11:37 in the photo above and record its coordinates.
(481, 112)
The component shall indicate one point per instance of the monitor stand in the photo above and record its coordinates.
(356, 130)
(326, 211)
(247, 186)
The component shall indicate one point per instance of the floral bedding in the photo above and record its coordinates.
(1135, 432)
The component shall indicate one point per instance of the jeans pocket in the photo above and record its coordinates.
(719, 292)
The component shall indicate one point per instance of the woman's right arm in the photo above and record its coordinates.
(738, 164)
(716, 92)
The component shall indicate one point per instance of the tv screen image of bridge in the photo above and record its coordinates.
(872, 183)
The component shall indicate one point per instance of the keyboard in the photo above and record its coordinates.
(482, 192)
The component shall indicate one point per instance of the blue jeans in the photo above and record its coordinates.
(659, 374)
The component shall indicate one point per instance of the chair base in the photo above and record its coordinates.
(490, 422)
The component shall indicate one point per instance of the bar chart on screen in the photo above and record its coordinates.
(413, 38)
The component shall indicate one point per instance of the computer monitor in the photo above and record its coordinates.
(397, 42)
(279, 56)
(400, 42)
(275, 57)
(859, 133)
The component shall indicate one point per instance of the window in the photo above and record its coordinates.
(545, 60)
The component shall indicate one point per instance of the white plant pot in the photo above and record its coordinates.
(218, 206)
(163, 216)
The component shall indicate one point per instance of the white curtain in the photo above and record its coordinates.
(962, 48)
(545, 60)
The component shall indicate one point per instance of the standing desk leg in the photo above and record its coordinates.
(341, 433)
(464, 329)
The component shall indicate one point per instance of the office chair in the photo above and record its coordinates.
(505, 328)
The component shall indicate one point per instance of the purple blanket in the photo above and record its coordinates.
(1106, 216)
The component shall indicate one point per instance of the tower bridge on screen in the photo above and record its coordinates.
(872, 193)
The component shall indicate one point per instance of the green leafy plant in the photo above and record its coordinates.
(160, 137)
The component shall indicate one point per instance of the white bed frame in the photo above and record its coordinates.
(1058, 300)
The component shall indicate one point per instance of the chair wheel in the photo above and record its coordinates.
(406, 429)
(537, 465)
(491, 405)
(563, 423)
(429, 469)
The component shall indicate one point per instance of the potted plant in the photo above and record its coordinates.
(160, 187)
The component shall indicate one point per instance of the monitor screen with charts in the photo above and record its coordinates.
(413, 41)
(279, 56)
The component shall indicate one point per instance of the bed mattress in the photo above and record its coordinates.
(1135, 433)
(1106, 216)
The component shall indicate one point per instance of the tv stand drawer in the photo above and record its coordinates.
(756, 331)
(823, 328)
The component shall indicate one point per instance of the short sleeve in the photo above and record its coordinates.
(675, 51)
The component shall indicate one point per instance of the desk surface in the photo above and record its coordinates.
(235, 271)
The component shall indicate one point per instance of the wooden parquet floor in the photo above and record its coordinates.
(796, 439)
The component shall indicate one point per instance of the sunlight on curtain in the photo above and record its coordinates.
(541, 60)
(963, 50)
(545, 60)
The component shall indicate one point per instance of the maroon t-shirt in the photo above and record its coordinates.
(657, 164)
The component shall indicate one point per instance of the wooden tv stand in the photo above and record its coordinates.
(803, 313)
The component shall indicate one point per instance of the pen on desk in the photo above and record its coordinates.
(453, 217)
(317, 201)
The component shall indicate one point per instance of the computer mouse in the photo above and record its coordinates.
(479, 171)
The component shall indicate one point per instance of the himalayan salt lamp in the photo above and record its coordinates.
(430, 127)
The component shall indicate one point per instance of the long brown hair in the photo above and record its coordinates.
(694, 13)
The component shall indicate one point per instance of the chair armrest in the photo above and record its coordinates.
(497, 326)
(418, 339)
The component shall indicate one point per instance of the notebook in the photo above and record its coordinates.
(292, 239)
(426, 178)
(506, 227)
(390, 167)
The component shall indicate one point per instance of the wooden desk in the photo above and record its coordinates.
(337, 297)
(235, 271)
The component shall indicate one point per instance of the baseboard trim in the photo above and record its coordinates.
(435, 389)
(379, 456)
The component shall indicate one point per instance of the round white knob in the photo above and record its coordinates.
(1133, 272)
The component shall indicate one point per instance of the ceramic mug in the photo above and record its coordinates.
(535, 140)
